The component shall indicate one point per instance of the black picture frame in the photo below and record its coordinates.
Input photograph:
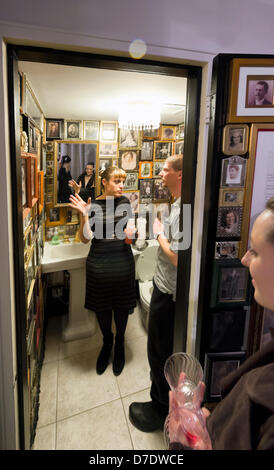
(231, 286)
(217, 367)
(227, 330)
(229, 222)
(54, 129)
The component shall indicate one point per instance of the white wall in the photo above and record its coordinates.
(174, 30)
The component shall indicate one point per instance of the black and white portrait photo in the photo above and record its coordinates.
(147, 151)
(233, 172)
(131, 182)
(226, 250)
(73, 129)
(162, 150)
(157, 168)
(233, 284)
(259, 91)
(128, 138)
(146, 190)
(160, 191)
(229, 222)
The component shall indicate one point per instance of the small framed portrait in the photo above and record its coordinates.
(147, 151)
(41, 190)
(162, 150)
(179, 147)
(180, 131)
(151, 134)
(231, 197)
(226, 250)
(129, 139)
(129, 160)
(157, 168)
(230, 284)
(235, 139)
(54, 216)
(145, 170)
(133, 197)
(160, 192)
(259, 91)
(131, 182)
(108, 131)
(104, 163)
(161, 210)
(73, 130)
(146, 190)
(91, 130)
(54, 129)
(233, 172)
(108, 150)
(251, 90)
(229, 222)
(226, 330)
(217, 367)
(168, 132)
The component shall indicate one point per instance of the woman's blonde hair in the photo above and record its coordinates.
(109, 172)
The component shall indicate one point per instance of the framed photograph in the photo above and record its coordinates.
(217, 367)
(226, 250)
(230, 284)
(26, 194)
(31, 137)
(91, 130)
(70, 161)
(160, 192)
(104, 163)
(108, 131)
(73, 129)
(157, 168)
(227, 330)
(108, 150)
(133, 197)
(151, 134)
(40, 190)
(54, 216)
(145, 170)
(259, 179)
(30, 104)
(180, 131)
(235, 139)
(268, 326)
(162, 149)
(129, 139)
(146, 190)
(131, 182)
(233, 172)
(179, 147)
(161, 210)
(229, 222)
(54, 130)
(251, 90)
(231, 197)
(168, 132)
(147, 151)
(129, 160)
(32, 180)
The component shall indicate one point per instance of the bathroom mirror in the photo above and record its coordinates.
(70, 160)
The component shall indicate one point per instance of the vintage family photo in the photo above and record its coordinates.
(129, 160)
(259, 91)
(162, 150)
(235, 139)
(229, 222)
(233, 172)
(73, 130)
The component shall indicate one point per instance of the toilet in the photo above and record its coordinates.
(145, 269)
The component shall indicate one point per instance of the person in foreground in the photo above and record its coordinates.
(110, 269)
(150, 416)
(244, 419)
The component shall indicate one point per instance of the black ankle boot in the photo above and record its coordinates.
(103, 358)
(119, 357)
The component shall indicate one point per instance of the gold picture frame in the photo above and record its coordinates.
(231, 197)
(241, 72)
(235, 139)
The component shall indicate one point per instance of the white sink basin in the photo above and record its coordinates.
(64, 256)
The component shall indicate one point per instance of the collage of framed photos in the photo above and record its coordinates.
(141, 154)
(246, 183)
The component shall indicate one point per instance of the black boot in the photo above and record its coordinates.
(119, 357)
(103, 358)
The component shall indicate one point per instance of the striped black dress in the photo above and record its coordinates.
(110, 267)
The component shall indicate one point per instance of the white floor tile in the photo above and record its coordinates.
(103, 428)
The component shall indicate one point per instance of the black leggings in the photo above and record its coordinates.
(105, 320)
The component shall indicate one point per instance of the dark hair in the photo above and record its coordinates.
(265, 85)
(270, 207)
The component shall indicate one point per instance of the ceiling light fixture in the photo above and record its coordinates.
(139, 116)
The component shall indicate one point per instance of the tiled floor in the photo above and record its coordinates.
(82, 410)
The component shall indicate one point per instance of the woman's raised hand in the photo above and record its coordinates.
(79, 205)
(77, 187)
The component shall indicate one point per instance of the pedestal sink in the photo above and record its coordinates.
(79, 323)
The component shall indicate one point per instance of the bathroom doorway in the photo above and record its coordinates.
(72, 60)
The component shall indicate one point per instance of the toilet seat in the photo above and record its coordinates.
(146, 262)
(145, 289)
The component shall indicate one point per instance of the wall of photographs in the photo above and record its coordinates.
(140, 154)
(32, 177)
(234, 326)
